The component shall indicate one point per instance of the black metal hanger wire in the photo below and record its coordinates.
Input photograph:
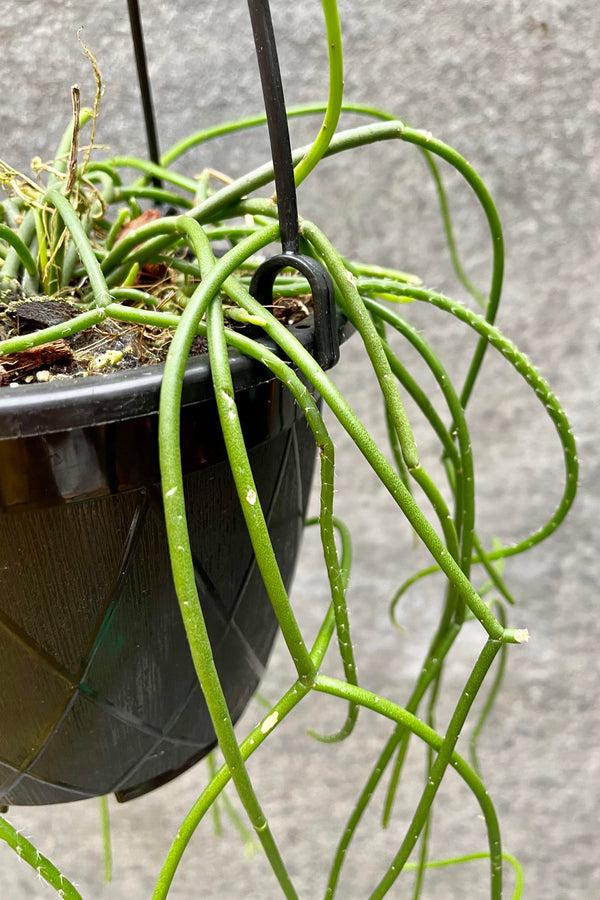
(139, 50)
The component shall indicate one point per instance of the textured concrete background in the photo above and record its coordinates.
(514, 86)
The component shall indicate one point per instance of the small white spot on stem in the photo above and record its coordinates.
(251, 496)
(171, 491)
(270, 722)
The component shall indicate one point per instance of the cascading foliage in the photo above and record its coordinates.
(58, 237)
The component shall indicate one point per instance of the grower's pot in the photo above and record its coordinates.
(98, 692)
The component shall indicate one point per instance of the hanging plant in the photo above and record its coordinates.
(93, 281)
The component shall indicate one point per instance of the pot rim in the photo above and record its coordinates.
(27, 410)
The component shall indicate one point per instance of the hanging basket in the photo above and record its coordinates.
(99, 693)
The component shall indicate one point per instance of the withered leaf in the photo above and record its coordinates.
(148, 216)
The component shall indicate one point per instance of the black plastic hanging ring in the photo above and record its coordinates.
(327, 346)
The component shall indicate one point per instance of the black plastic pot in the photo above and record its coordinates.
(98, 692)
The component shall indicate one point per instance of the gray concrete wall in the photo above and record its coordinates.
(514, 86)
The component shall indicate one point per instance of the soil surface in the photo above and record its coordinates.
(107, 347)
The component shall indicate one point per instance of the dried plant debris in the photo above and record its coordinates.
(107, 347)
(20, 366)
(149, 215)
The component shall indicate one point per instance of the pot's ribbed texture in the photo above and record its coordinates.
(98, 692)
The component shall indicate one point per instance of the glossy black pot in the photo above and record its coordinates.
(98, 693)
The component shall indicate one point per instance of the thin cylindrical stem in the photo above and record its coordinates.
(45, 869)
(86, 254)
(443, 760)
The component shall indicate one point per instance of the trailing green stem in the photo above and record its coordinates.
(21, 249)
(336, 92)
(540, 387)
(472, 857)
(204, 802)
(14, 258)
(446, 756)
(249, 500)
(301, 688)
(489, 702)
(178, 536)
(438, 651)
(444, 515)
(495, 578)
(106, 844)
(384, 471)
(275, 715)
(326, 452)
(84, 248)
(152, 170)
(209, 679)
(45, 869)
(461, 459)
(53, 332)
(355, 309)
(458, 267)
